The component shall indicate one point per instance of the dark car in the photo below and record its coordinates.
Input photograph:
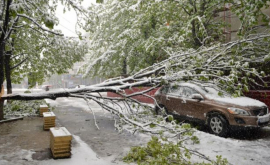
(203, 103)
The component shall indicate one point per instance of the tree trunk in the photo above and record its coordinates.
(1, 77)
(7, 62)
(1, 103)
(1, 109)
(8, 72)
(2, 52)
(1, 63)
(124, 69)
(196, 43)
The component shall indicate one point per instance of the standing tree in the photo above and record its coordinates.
(126, 36)
(26, 34)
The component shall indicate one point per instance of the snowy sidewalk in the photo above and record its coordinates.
(82, 154)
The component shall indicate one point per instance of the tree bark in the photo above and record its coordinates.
(1, 78)
(7, 63)
(1, 109)
(1, 62)
(124, 69)
(1, 103)
(197, 43)
(8, 72)
(2, 52)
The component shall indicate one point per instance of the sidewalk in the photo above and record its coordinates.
(24, 142)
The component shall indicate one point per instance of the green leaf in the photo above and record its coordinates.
(49, 24)
(152, 125)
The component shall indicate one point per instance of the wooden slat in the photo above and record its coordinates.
(60, 144)
(68, 146)
(58, 151)
(49, 124)
(48, 119)
(62, 155)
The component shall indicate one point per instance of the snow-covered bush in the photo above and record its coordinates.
(23, 108)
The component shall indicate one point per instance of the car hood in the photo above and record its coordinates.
(239, 102)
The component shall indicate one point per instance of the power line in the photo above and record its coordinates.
(65, 19)
(67, 29)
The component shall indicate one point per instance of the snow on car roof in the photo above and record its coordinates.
(212, 94)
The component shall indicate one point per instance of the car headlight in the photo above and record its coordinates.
(237, 111)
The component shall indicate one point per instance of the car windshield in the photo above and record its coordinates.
(214, 93)
(209, 92)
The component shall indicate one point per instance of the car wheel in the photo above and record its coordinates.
(159, 110)
(218, 125)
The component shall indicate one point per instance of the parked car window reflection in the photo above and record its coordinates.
(175, 90)
(188, 92)
(165, 90)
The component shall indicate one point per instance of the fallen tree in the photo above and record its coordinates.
(232, 67)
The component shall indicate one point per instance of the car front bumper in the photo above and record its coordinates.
(250, 121)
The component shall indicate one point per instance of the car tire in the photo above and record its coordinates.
(218, 125)
(159, 110)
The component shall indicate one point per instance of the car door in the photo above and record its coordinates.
(174, 101)
(193, 107)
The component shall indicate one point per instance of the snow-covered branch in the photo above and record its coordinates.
(38, 25)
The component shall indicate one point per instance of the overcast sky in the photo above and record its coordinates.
(68, 19)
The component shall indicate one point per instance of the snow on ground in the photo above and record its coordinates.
(20, 90)
(240, 152)
(82, 154)
(17, 157)
(248, 152)
(76, 102)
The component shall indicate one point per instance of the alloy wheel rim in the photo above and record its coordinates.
(216, 125)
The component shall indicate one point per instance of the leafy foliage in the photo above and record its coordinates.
(128, 35)
(161, 151)
(52, 55)
(34, 48)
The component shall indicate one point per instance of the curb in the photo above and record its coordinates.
(10, 120)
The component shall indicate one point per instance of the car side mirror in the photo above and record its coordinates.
(197, 97)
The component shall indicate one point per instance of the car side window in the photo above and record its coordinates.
(165, 90)
(175, 90)
(188, 92)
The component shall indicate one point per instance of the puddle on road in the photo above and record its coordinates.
(42, 154)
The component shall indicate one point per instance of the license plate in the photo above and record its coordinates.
(263, 119)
